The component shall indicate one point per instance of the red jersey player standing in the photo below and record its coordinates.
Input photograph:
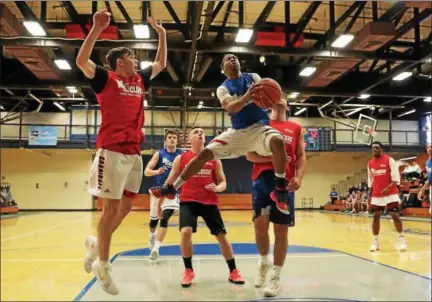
(117, 168)
(384, 177)
(198, 198)
(264, 208)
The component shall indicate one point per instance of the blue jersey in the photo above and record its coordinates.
(249, 114)
(429, 170)
(166, 159)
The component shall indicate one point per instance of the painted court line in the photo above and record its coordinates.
(247, 251)
(165, 258)
(40, 230)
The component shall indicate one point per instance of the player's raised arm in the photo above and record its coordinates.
(100, 21)
(150, 166)
(231, 104)
(159, 63)
(175, 171)
(301, 156)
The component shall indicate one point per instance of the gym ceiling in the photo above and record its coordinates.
(385, 67)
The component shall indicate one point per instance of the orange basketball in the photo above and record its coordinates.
(269, 93)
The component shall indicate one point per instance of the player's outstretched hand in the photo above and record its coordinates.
(162, 170)
(156, 26)
(211, 187)
(101, 19)
(294, 184)
(420, 195)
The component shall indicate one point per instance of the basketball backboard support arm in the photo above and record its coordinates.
(364, 128)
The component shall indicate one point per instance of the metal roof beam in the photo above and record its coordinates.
(73, 14)
(176, 19)
(264, 14)
(304, 20)
(206, 47)
(196, 9)
(329, 33)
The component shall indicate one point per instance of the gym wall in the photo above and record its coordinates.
(403, 132)
(57, 179)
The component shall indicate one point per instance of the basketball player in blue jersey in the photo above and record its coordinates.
(428, 183)
(159, 168)
(250, 133)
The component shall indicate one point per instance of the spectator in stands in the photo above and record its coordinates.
(364, 202)
(423, 178)
(363, 185)
(412, 171)
(333, 196)
(346, 202)
(357, 201)
(350, 201)
(352, 189)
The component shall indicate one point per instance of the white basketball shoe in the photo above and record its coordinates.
(102, 272)
(92, 252)
(375, 246)
(263, 268)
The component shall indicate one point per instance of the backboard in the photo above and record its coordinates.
(365, 129)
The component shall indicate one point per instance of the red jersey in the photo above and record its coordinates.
(121, 103)
(193, 189)
(382, 171)
(291, 132)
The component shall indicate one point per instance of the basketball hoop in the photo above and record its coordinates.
(372, 132)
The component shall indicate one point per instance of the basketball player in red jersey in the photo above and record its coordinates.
(384, 177)
(117, 169)
(263, 206)
(198, 198)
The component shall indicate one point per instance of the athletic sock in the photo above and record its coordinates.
(280, 175)
(231, 264)
(277, 270)
(264, 259)
(376, 237)
(280, 180)
(188, 262)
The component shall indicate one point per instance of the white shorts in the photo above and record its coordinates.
(167, 204)
(235, 143)
(112, 173)
(383, 201)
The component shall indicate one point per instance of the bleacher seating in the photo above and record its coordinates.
(406, 188)
(336, 206)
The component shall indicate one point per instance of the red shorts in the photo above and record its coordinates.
(391, 207)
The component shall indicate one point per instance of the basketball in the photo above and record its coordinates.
(269, 93)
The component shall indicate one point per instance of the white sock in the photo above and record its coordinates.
(103, 263)
(277, 270)
(153, 234)
(376, 237)
(401, 235)
(157, 243)
(280, 175)
(265, 259)
(178, 183)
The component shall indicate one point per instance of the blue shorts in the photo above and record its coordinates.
(262, 204)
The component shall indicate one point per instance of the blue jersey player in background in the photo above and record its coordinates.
(159, 168)
(427, 185)
(250, 132)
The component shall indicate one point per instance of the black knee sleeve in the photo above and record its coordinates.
(164, 223)
(154, 223)
(166, 215)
